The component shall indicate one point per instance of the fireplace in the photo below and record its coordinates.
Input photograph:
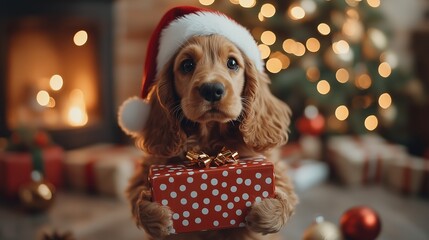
(56, 69)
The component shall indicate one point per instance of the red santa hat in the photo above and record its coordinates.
(177, 26)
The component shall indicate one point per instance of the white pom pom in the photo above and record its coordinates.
(133, 114)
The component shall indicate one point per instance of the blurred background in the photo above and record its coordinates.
(354, 72)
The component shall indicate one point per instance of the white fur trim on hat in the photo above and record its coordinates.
(133, 114)
(202, 24)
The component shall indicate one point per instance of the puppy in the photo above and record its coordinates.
(211, 95)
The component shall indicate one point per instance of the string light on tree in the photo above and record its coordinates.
(323, 87)
(247, 3)
(296, 12)
(371, 122)
(313, 74)
(342, 113)
(374, 3)
(261, 17)
(342, 75)
(384, 69)
(289, 46)
(265, 51)
(323, 29)
(299, 49)
(268, 10)
(274, 65)
(341, 47)
(206, 2)
(312, 44)
(268, 38)
(385, 100)
(363, 81)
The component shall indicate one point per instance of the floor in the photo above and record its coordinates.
(93, 218)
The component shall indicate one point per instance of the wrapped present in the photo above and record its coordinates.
(16, 168)
(307, 173)
(409, 176)
(362, 160)
(308, 147)
(212, 197)
(102, 168)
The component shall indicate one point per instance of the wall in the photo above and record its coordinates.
(135, 21)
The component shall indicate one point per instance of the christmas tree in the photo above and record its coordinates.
(330, 60)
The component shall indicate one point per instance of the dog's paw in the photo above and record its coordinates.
(155, 219)
(267, 216)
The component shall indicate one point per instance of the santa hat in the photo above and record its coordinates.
(177, 26)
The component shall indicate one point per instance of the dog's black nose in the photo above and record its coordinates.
(212, 92)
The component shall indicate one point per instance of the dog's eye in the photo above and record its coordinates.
(187, 66)
(232, 64)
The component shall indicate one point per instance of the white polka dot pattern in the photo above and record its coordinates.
(211, 198)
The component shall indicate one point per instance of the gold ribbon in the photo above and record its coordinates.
(203, 160)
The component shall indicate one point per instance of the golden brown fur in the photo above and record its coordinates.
(248, 119)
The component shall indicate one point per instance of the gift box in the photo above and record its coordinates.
(16, 169)
(214, 197)
(307, 173)
(102, 168)
(409, 176)
(362, 160)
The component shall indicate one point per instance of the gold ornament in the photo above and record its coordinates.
(322, 230)
(37, 195)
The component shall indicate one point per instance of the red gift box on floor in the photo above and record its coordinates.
(211, 198)
(16, 168)
(101, 168)
(409, 176)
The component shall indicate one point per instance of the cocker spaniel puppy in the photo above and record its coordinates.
(208, 95)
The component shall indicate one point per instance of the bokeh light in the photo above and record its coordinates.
(385, 100)
(323, 87)
(247, 3)
(43, 98)
(274, 65)
(56, 82)
(312, 44)
(324, 29)
(374, 3)
(265, 51)
(371, 123)
(268, 38)
(206, 2)
(384, 69)
(80, 38)
(342, 113)
(268, 10)
(342, 75)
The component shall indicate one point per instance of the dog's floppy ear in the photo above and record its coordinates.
(162, 135)
(266, 119)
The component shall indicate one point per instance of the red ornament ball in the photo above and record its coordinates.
(360, 223)
(312, 126)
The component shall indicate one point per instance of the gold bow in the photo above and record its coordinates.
(203, 160)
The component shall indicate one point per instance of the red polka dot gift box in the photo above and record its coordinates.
(213, 197)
